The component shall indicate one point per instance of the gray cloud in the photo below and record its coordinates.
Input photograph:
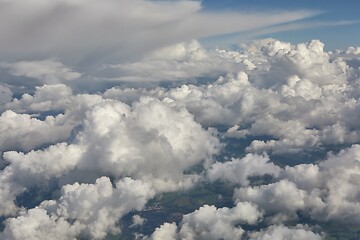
(47, 71)
(127, 28)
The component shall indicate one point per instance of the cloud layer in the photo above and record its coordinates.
(94, 157)
(129, 28)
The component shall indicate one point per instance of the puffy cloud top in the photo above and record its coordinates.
(94, 156)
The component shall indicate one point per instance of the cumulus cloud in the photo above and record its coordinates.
(22, 132)
(137, 220)
(238, 171)
(34, 169)
(95, 208)
(326, 191)
(54, 98)
(208, 222)
(300, 95)
(211, 223)
(92, 209)
(335, 180)
(150, 141)
(9, 189)
(99, 156)
(282, 199)
(281, 232)
(165, 231)
(35, 224)
(291, 102)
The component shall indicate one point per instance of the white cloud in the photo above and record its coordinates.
(281, 232)
(47, 71)
(92, 210)
(298, 96)
(22, 132)
(209, 222)
(336, 181)
(35, 224)
(97, 207)
(9, 189)
(239, 170)
(282, 198)
(165, 231)
(183, 61)
(51, 162)
(137, 220)
(280, 91)
(353, 50)
(34, 169)
(55, 97)
(151, 141)
(326, 191)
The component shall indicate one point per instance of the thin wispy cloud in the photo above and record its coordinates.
(233, 38)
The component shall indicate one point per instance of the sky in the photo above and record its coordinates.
(89, 34)
(331, 13)
(109, 106)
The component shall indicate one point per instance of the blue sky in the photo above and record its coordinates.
(328, 22)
